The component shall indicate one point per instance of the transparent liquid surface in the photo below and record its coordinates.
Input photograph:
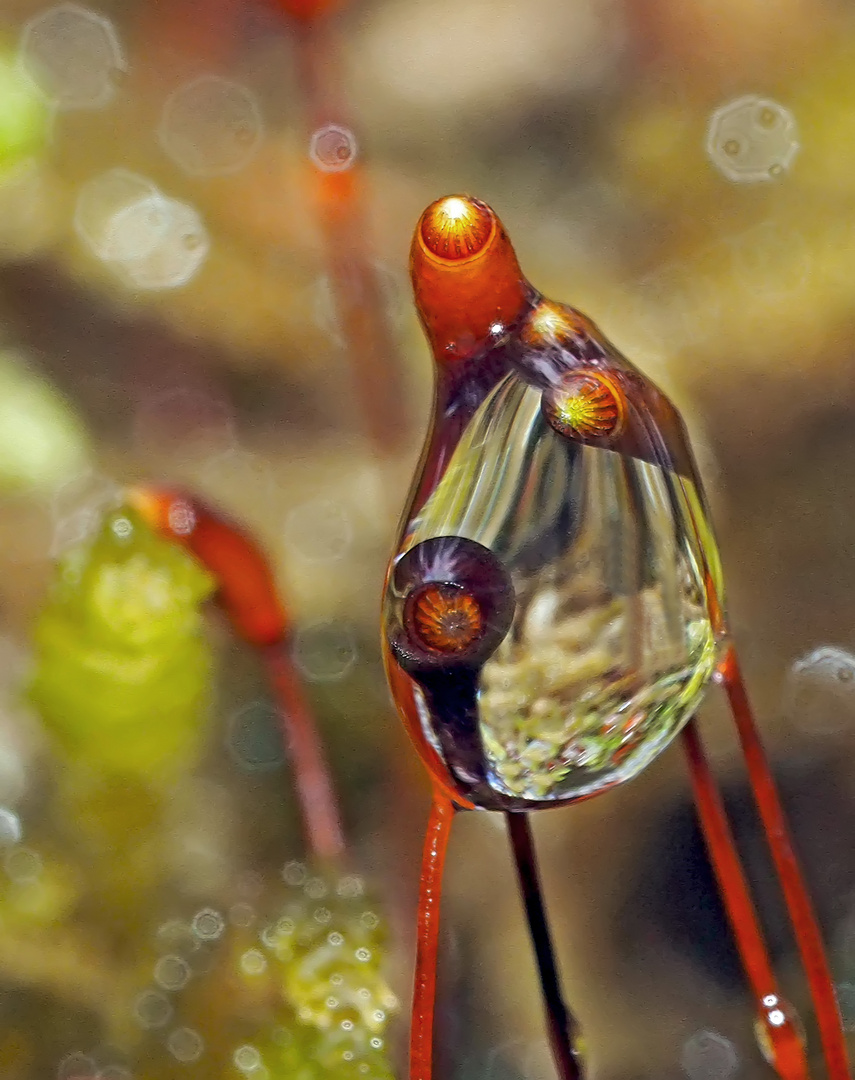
(612, 643)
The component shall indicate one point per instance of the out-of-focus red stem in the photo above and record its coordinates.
(340, 206)
(805, 926)
(427, 946)
(247, 593)
(787, 1050)
(321, 820)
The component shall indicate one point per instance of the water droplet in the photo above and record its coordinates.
(171, 972)
(152, 1009)
(709, 1056)
(211, 126)
(72, 54)
(333, 148)
(752, 139)
(185, 1044)
(325, 651)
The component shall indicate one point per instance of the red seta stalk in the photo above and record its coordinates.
(427, 935)
(788, 1054)
(338, 191)
(248, 595)
(561, 1026)
(805, 927)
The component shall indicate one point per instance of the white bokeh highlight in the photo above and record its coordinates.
(752, 139)
(819, 690)
(211, 126)
(151, 241)
(333, 148)
(73, 55)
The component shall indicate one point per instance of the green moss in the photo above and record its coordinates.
(123, 667)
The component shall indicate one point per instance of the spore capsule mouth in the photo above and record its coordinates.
(457, 227)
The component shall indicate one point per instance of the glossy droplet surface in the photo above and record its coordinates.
(456, 227)
(611, 644)
(444, 617)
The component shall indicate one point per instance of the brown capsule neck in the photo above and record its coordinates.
(467, 283)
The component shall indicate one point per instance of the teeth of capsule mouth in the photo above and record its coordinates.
(456, 227)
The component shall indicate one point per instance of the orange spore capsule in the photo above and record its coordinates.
(246, 587)
(455, 228)
(587, 406)
(467, 282)
(445, 618)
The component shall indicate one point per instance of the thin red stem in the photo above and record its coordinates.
(315, 790)
(355, 282)
(561, 1025)
(787, 1050)
(427, 944)
(805, 926)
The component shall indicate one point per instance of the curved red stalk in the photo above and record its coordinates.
(248, 595)
(805, 927)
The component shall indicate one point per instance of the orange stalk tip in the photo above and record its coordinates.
(467, 283)
(456, 227)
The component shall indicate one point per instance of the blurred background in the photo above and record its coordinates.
(205, 212)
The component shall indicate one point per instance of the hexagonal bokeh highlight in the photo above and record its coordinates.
(73, 55)
(211, 126)
(121, 215)
(752, 139)
(178, 254)
(333, 148)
